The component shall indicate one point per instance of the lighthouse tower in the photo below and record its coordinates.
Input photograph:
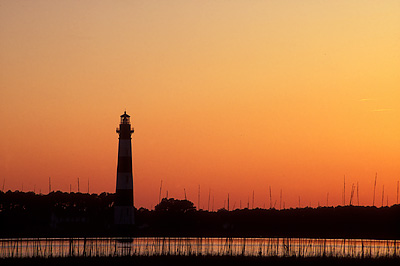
(123, 209)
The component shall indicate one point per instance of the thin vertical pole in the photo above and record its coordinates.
(327, 199)
(159, 196)
(373, 200)
(344, 191)
(358, 199)
(352, 194)
(209, 194)
(270, 198)
(198, 197)
(397, 201)
(280, 200)
(252, 205)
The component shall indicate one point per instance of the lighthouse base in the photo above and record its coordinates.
(124, 215)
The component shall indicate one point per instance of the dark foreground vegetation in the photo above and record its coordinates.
(199, 260)
(61, 214)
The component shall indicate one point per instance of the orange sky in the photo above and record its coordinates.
(233, 96)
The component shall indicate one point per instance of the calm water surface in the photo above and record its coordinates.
(149, 246)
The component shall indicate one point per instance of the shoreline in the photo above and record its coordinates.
(167, 260)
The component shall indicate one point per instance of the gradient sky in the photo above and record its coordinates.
(234, 96)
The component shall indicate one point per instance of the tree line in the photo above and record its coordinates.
(26, 214)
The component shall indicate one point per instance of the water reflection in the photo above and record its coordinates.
(150, 246)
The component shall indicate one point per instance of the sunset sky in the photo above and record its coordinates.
(232, 96)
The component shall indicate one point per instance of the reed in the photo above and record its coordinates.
(159, 195)
(352, 194)
(170, 246)
(209, 194)
(161, 246)
(373, 199)
(252, 203)
(198, 198)
(270, 198)
(358, 198)
(344, 191)
(327, 199)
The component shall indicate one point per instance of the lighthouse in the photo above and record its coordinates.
(123, 207)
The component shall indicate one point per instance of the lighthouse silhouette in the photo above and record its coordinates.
(123, 208)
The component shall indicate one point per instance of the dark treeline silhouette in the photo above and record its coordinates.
(25, 214)
(57, 213)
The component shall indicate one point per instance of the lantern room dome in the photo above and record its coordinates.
(125, 118)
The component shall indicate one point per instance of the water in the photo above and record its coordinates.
(151, 246)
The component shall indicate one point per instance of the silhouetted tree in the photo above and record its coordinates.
(175, 206)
